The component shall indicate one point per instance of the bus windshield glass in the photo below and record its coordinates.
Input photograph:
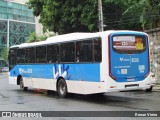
(129, 44)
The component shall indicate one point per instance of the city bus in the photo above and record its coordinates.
(83, 63)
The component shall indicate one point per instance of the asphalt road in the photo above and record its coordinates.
(13, 99)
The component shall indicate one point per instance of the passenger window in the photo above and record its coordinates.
(21, 56)
(84, 51)
(41, 54)
(53, 53)
(67, 52)
(30, 55)
(97, 50)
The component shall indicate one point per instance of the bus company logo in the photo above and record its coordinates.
(61, 70)
(28, 71)
(121, 59)
(124, 59)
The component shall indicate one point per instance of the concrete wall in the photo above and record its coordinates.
(154, 37)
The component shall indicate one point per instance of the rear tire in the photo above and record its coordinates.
(50, 92)
(22, 85)
(62, 88)
(149, 90)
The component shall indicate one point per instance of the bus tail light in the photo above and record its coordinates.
(109, 61)
(112, 76)
(112, 86)
(146, 75)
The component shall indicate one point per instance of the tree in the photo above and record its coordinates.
(82, 15)
(118, 18)
(33, 37)
(66, 16)
(5, 55)
(146, 11)
(36, 5)
(137, 14)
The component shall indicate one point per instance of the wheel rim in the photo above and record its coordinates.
(21, 84)
(62, 88)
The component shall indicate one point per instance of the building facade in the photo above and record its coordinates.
(16, 23)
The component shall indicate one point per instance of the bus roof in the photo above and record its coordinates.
(58, 39)
(65, 38)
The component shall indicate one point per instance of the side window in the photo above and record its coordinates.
(21, 56)
(97, 50)
(53, 53)
(41, 54)
(67, 52)
(84, 51)
(30, 55)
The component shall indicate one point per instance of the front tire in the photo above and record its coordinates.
(22, 85)
(62, 88)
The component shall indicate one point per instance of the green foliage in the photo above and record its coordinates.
(146, 11)
(33, 37)
(42, 37)
(5, 55)
(36, 5)
(50, 34)
(139, 14)
(66, 16)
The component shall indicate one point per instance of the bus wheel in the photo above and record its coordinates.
(149, 90)
(22, 85)
(62, 88)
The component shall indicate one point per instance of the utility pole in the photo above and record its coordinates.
(8, 33)
(100, 12)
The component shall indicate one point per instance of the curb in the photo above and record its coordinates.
(3, 73)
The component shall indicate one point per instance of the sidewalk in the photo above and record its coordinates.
(3, 73)
(157, 87)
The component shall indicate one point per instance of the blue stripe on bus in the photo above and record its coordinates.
(79, 72)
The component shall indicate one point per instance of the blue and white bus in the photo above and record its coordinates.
(83, 63)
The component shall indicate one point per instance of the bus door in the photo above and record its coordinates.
(12, 58)
(129, 57)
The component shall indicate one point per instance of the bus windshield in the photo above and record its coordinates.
(129, 44)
